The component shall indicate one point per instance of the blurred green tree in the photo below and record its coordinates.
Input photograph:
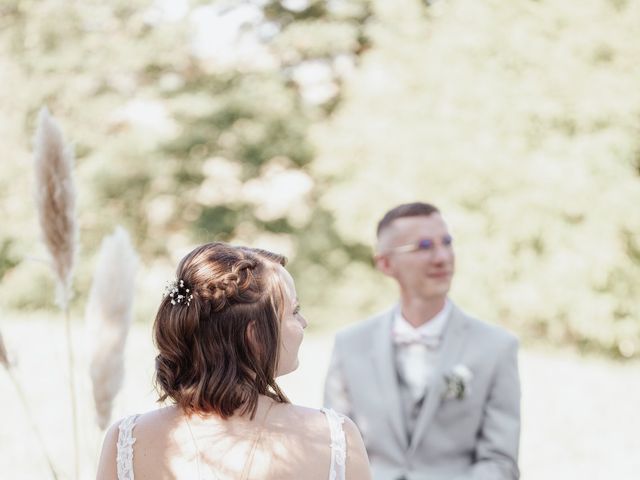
(521, 120)
(190, 118)
(295, 124)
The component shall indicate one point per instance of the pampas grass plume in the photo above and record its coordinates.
(56, 200)
(108, 316)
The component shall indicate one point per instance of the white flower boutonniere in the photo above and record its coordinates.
(458, 382)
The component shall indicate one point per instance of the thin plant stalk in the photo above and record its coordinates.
(23, 400)
(72, 389)
(56, 202)
(32, 424)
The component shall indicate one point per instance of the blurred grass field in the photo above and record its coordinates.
(579, 414)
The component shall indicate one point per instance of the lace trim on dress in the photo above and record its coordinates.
(124, 456)
(338, 445)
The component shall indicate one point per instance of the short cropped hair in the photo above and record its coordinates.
(415, 209)
(208, 360)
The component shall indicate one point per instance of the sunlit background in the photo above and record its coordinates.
(293, 126)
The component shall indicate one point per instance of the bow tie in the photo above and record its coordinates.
(416, 338)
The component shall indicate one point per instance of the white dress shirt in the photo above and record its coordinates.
(418, 349)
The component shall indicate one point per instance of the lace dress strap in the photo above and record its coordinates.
(124, 456)
(338, 445)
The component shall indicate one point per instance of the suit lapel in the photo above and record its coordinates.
(383, 358)
(454, 338)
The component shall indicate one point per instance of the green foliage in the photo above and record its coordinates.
(28, 286)
(519, 119)
(180, 143)
(8, 259)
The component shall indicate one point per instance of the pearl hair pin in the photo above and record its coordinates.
(178, 293)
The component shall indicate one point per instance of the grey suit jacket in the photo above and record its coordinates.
(475, 437)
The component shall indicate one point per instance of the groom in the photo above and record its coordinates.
(435, 392)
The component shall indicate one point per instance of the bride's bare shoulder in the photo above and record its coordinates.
(146, 426)
(166, 414)
(317, 421)
(301, 419)
(313, 426)
(306, 414)
(154, 422)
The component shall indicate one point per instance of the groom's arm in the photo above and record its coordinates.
(336, 393)
(499, 436)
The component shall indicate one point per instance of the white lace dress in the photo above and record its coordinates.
(338, 446)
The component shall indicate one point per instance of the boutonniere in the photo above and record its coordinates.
(458, 382)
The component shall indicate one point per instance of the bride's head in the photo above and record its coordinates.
(227, 327)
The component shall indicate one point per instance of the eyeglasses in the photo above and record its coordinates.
(426, 244)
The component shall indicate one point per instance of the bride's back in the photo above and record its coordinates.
(290, 443)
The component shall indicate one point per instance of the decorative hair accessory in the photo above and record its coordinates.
(178, 293)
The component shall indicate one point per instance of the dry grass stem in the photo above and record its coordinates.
(56, 200)
(32, 423)
(4, 358)
(56, 203)
(108, 315)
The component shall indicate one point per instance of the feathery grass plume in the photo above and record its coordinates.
(4, 361)
(56, 200)
(108, 318)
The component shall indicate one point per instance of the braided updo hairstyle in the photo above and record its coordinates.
(219, 351)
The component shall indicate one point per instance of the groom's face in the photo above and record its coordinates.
(418, 253)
